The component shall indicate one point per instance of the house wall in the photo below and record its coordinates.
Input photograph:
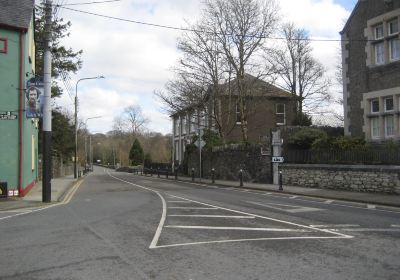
(360, 75)
(9, 101)
(261, 117)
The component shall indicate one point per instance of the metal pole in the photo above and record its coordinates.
(47, 168)
(76, 131)
(192, 174)
(90, 153)
(280, 181)
(213, 176)
(241, 177)
(200, 154)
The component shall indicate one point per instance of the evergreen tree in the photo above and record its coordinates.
(136, 153)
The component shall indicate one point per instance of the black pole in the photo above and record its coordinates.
(176, 173)
(158, 172)
(213, 176)
(192, 174)
(280, 181)
(241, 177)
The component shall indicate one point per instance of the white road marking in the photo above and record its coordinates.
(371, 206)
(270, 219)
(214, 216)
(153, 243)
(334, 226)
(194, 208)
(294, 209)
(369, 229)
(396, 226)
(178, 201)
(293, 197)
(240, 228)
(328, 201)
(29, 212)
(251, 239)
(16, 211)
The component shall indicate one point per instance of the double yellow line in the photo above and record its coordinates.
(71, 193)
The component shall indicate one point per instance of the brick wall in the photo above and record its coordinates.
(380, 179)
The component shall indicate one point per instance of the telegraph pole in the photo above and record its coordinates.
(46, 180)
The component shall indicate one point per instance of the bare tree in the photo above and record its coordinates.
(300, 72)
(242, 27)
(131, 120)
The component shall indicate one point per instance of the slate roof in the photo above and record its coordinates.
(16, 13)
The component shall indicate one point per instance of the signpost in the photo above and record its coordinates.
(200, 143)
(277, 159)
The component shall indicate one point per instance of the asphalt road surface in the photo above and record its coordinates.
(124, 226)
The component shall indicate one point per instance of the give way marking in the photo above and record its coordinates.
(286, 207)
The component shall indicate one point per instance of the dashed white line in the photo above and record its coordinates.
(293, 197)
(371, 206)
(334, 226)
(178, 201)
(395, 226)
(328, 201)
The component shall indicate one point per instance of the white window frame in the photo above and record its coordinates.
(237, 114)
(386, 126)
(381, 46)
(284, 113)
(376, 33)
(193, 123)
(184, 124)
(384, 104)
(397, 52)
(375, 136)
(176, 126)
(389, 26)
(372, 107)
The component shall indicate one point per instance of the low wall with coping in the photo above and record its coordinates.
(362, 178)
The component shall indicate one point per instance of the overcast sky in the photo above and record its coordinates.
(136, 59)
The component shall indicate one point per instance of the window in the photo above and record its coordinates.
(389, 104)
(375, 129)
(375, 106)
(193, 122)
(238, 115)
(379, 32)
(184, 124)
(389, 126)
(176, 150)
(3, 45)
(393, 27)
(394, 49)
(176, 126)
(379, 53)
(280, 114)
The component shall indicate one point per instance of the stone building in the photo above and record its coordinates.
(371, 71)
(268, 107)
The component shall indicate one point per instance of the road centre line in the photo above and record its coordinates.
(293, 197)
(214, 216)
(239, 228)
(371, 206)
(328, 201)
(396, 226)
(271, 219)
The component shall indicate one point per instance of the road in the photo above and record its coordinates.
(124, 226)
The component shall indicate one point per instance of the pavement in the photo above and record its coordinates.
(392, 200)
(59, 188)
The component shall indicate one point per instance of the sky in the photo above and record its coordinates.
(136, 60)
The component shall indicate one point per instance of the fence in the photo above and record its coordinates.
(367, 157)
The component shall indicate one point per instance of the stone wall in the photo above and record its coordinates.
(228, 160)
(382, 179)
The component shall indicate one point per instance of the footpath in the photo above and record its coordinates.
(392, 200)
(59, 188)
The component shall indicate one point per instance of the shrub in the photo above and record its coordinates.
(304, 138)
(302, 119)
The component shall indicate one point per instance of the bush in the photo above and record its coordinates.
(302, 119)
(136, 153)
(304, 138)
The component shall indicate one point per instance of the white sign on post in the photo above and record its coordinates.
(277, 159)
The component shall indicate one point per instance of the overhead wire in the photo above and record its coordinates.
(209, 32)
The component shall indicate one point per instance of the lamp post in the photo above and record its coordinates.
(86, 153)
(76, 120)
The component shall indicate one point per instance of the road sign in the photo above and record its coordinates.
(7, 116)
(202, 144)
(277, 159)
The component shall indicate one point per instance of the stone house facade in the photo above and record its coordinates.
(371, 71)
(268, 107)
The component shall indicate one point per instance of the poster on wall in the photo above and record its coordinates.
(34, 98)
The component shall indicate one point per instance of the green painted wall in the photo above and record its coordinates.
(9, 101)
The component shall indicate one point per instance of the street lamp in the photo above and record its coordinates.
(76, 120)
(86, 154)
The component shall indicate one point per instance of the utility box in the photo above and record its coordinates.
(3, 190)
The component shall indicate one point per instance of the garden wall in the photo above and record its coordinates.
(373, 178)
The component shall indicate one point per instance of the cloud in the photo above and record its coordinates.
(136, 59)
